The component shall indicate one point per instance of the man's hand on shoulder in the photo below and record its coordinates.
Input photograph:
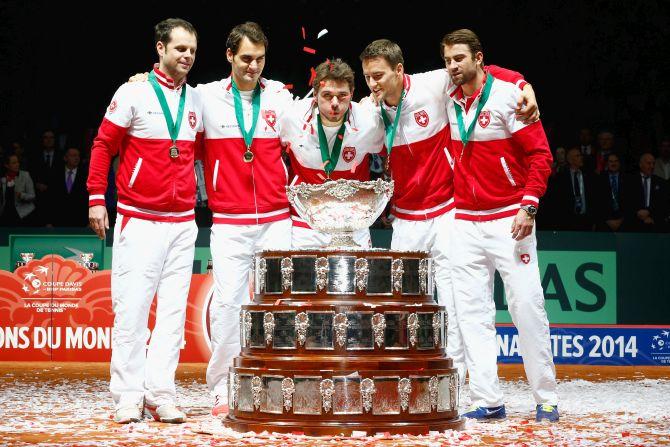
(139, 77)
(527, 110)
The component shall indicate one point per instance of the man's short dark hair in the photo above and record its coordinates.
(250, 30)
(386, 49)
(462, 36)
(163, 30)
(333, 70)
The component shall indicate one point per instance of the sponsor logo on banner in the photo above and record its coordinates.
(421, 118)
(348, 154)
(660, 346)
(192, 120)
(484, 118)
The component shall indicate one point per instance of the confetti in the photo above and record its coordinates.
(303, 32)
(309, 50)
(312, 76)
(322, 33)
(288, 86)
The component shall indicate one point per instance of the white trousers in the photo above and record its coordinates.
(480, 248)
(302, 238)
(149, 259)
(233, 247)
(434, 236)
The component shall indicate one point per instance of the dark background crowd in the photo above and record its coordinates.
(598, 69)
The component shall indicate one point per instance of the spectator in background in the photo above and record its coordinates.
(559, 161)
(45, 164)
(586, 148)
(17, 195)
(662, 168)
(609, 194)
(645, 199)
(67, 194)
(572, 195)
(605, 147)
(18, 149)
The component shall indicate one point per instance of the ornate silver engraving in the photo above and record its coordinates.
(287, 389)
(367, 390)
(342, 191)
(236, 390)
(362, 272)
(436, 328)
(256, 388)
(246, 327)
(453, 391)
(327, 388)
(301, 325)
(404, 389)
(286, 273)
(396, 274)
(432, 388)
(321, 273)
(269, 326)
(378, 327)
(423, 275)
(413, 326)
(262, 270)
(340, 324)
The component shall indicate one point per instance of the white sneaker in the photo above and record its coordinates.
(128, 414)
(168, 413)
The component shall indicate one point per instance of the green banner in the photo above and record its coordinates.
(69, 246)
(579, 287)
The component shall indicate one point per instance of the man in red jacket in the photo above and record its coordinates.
(154, 127)
(501, 170)
(246, 180)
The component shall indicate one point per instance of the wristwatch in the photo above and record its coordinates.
(531, 210)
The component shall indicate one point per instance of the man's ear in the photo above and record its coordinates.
(160, 48)
(229, 55)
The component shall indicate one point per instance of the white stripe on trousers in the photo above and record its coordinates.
(233, 247)
(434, 236)
(149, 259)
(481, 248)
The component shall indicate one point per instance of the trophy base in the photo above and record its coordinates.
(343, 428)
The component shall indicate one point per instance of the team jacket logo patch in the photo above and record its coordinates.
(421, 118)
(270, 117)
(112, 106)
(192, 120)
(348, 154)
(484, 118)
(525, 258)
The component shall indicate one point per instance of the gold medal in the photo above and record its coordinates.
(174, 151)
(248, 156)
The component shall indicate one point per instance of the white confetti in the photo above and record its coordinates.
(322, 33)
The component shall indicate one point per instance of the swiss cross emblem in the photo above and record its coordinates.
(270, 117)
(421, 118)
(525, 258)
(112, 106)
(348, 154)
(484, 118)
(192, 120)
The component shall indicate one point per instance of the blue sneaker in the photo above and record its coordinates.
(485, 413)
(546, 412)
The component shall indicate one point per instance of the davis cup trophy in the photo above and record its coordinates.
(342, 339)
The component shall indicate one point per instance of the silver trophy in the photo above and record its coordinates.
(340, 207)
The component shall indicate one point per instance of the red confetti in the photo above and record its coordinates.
(303, 32)
(299, 433)
(524, 422)
(309, 50)
(278, 302)
(341, 137)
(312, 75)
(288, 86)
(625, 433)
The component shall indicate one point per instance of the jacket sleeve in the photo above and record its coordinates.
(28, 194)
(506, 75)
(106, 145)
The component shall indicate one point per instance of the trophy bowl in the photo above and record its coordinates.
(340, 207)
